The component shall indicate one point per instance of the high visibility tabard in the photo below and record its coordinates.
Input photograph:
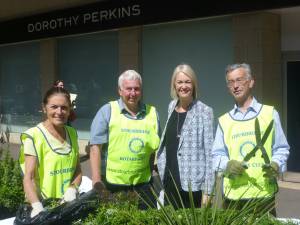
(239, 138)
(130, 145)
(54, 170)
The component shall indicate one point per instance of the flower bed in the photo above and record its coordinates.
(122, 209)
(125, 211)
(130, 215)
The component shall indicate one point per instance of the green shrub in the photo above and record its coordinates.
(124, 213)
(11, 187)
(122, 210)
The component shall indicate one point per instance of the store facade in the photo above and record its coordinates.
(88, 46)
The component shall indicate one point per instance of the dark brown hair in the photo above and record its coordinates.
(55, 83)
(54, 91)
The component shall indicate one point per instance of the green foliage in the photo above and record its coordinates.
(51, 203)
(11, 187)
(254, 212)
(212, 216)
(124, 213)
(123, 210)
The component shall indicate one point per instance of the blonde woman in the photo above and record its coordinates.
(185, 148)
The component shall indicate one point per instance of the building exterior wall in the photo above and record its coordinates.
(207, 44)
(130, 48)
(154, 50)
(257, 38)
(48, 63)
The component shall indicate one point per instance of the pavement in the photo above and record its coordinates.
(287, 199)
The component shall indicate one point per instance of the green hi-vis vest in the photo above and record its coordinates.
(130, 145)
(55, 170)
(239, 138)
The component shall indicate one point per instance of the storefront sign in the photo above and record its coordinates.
(105, 15)
(96, 17)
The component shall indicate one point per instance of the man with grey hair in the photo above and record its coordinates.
(250, 148)
(124, 137)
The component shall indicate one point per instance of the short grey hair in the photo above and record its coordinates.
(244, 66)
(129, 75)
(187, 70)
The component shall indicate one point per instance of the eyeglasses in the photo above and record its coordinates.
(238, 81)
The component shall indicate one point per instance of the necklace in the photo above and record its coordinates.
(178, 133)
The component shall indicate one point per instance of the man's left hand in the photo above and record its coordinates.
(271, 171)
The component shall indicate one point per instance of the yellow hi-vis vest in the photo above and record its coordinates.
(239, 138)
(54, 170)
(130, 145)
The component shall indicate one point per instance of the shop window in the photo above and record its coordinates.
(20, 94)
(89, 67)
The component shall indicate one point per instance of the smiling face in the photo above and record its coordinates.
(183, 86)
(57, 109)
(131, 92)
(239, 85)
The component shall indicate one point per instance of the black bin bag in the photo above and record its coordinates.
(61, 215)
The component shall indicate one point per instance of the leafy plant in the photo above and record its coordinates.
(254, 212)
(123, 209)
(11, 187)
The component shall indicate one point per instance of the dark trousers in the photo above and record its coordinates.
(263, 205)
(172, 196)
(146, 197)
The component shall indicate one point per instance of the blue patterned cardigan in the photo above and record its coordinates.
(194, 149)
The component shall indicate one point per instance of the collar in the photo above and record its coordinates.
(142, 107)
(254, 106)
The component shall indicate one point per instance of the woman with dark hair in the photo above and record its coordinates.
(72, 116)
(49, 155)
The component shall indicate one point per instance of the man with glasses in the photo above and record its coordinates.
(250, 148)
(127, 132)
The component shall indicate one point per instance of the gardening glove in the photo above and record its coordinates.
(37, 207)
(70, 194)
(234, 168)
(271, 171)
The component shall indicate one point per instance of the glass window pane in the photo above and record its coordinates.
(20, 94)
(89, 67)
(206, 45)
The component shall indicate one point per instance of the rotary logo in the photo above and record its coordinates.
(246, 147)
(136, 145)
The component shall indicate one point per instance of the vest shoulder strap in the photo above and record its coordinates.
(268, 109)
(222, 119)
(71, 131)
